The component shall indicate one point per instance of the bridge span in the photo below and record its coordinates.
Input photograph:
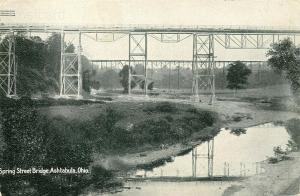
(202, 64)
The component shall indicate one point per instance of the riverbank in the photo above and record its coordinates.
(161, 129)
(141, 131)
(232, 114)
(281, 179)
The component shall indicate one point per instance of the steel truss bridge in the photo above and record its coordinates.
(202, 63)
(173, 64)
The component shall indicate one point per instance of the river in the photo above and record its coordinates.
(233, 155)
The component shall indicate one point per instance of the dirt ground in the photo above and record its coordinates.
(280, 179)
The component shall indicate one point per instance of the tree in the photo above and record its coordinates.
(124, 78)
(283, 59)
(150, 85)
(39, 63)
(237, 76)
(33, 140)
(109, 79)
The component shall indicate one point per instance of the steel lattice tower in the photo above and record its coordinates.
(203, 65)
(71, 69)
(8, 67)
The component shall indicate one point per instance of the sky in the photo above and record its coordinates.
(283, 13)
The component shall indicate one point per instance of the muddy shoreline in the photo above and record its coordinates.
(251, 116)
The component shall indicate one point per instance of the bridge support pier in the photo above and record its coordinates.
(209, 156)
(138, 56)
(8, 67)
(71, 69)
(203, 66)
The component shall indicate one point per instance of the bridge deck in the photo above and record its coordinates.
(149, 29)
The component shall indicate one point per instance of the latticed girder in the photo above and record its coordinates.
(138, 57)
(8, 67)
(251, 40)
(203, 65)
(174, 64)
(71, 69)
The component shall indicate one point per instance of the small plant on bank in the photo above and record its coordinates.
(238, 131)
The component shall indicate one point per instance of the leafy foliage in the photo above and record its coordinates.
(283, 59)
(165, 107)
(32, 140)
(42, 141)
(39, 63)
(150, 85)
(124, 73)
(293, 127)
(108, 79)
(237, 75)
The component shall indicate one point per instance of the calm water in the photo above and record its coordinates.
(246, 149)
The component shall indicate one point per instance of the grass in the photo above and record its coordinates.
(130, 127)
(163, 107)
(6, 102)
(80, 128)
(147, 125)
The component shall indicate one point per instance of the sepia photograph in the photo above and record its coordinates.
(150, 98)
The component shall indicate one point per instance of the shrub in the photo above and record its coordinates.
(101, 176)
(198, 121)
(238, 131)
(154, 130)
(273, 160)
(293, 128)
(33, 140)
(165, 107)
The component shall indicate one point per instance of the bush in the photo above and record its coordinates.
(293, 128)
(33, 140)
(165, 107)
(199, 120)
(273, 160)
(154, 130)
(101, 177)
(238, 131)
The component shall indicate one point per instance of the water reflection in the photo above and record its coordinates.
(233, 154)
(173, 188)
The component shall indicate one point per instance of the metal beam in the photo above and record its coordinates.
(8, 66)
(71, 69)
(138, 57)
(157, 64)
(251, 41)
(203, 65)
(151, 29)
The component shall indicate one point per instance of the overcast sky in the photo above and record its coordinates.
(156, 12)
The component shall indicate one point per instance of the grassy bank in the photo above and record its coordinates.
(131, 127)
(65, 133)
